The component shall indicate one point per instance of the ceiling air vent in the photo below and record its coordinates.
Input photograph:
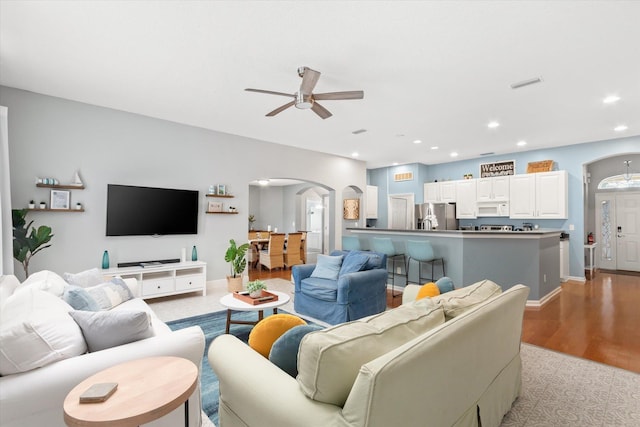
(356, 132)
(524, 83)
(404, 176)
(487, 154)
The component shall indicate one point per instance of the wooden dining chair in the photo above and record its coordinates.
(273, 256)
(303, 247)
(292, 252)
(253, 234)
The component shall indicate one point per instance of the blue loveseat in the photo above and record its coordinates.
(359, 291)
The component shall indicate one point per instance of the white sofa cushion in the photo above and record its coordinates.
(8, 284)
(36, 330)
(106, 329)
(460, 300)
(44, 280)
(329, 360)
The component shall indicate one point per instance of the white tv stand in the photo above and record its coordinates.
(165, 279)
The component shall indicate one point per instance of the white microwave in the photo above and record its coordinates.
(493, 209)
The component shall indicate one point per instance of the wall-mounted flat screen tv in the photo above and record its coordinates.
(143, 211)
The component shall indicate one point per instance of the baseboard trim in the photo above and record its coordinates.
(537, 304)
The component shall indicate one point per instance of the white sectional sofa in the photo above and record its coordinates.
(453, 360)
(34, 316)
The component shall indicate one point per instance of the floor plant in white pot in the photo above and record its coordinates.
(235, 256)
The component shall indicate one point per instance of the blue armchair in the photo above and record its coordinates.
(352, 296)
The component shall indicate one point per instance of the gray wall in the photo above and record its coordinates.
(53, 137)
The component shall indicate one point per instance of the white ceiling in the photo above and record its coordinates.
(437, 71)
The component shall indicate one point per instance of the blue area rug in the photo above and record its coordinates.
(213, 324)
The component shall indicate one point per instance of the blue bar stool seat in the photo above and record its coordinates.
(385, 245)
(422, 252)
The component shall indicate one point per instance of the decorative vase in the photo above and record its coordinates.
(194, 254)
(105, 260)
(256, 294)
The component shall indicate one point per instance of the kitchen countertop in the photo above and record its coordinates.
(462, 233)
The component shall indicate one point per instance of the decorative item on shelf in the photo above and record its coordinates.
(78, 206)
(105, 260)
(255, 288)
(235, 256)
(541, 166)
(468, 176)
(590, 239)
(60, 199)
(222, 189)
(47, 181)
(252, 219)
(26, 245)
(43, 205)
(232, 209)
(32, 204)
(76, 181)
(213, 189)
(351, 208)
(183, 254)
(214, 206)
(194, 254)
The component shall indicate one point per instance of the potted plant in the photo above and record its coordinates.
(235, 256)
(43, 205)
(252, 219)
(26, 244)
(32, 204)
(255, 288)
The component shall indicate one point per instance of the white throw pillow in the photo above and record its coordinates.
(45, 280)
(8, 284)
(106, 329)
(329, 360)
(36, 330)
(84, 279)
(110, 294)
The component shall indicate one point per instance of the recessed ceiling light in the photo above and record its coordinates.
(454, 154)
(621, 128)
(522, 143)
(417, 141)
(395, 163)
(435, 147)
(611, 99)
(493, 125)
(354, 154)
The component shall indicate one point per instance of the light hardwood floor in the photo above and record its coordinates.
(597, 320)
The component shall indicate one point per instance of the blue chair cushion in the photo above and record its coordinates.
(327, 267)
(445, 284)
(322, 289)
(284, 352)
(354, 261)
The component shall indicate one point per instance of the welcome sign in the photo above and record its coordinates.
(508, 167)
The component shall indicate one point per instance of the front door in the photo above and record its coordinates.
(628, 232)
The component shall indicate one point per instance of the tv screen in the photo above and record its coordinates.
(142, 211)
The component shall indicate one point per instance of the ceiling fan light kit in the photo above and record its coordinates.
(305, 99)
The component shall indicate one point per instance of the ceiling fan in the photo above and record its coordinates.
(304, 98)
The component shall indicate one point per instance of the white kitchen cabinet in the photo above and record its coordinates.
(440, 192)
(493, 189)
(372, 202)
(466, 204)
(540, 195)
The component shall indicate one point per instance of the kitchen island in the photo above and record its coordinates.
(531, 258)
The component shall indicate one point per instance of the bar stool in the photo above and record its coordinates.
(422, 251)
(385, 245)
(350, 243)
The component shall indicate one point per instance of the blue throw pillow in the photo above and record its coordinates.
(445, 284)
(374, 261)
(327, 267)
(284, 352)
(79, 299)
(354, 261)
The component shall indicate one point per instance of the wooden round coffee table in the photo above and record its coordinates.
(233, 303)
(148, 389)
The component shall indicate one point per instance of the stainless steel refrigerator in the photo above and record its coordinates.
(436, 216)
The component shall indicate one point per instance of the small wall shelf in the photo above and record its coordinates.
(221, 213)
(226, 196)
(61, 186)
(54, 210)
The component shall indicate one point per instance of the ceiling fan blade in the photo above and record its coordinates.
(353, 94)
(309, 80)
(270, 92)
(321, 111)
(281, 109)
